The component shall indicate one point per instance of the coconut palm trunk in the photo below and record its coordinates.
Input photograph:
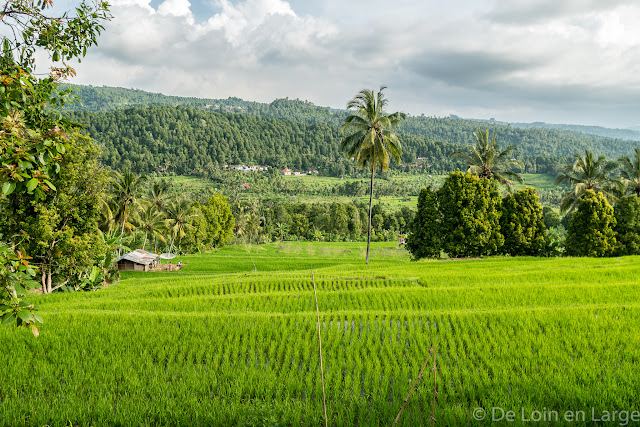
(373, 170)
(171, 246)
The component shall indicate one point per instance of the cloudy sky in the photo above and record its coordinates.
(559, 61)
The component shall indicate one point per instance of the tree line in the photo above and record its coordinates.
(269, 220)
(468, 217)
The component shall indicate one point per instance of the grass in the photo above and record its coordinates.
(219, 344)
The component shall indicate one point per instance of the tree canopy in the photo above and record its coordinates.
(485, 159)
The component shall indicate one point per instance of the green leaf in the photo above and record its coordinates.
(4, 307)
(8, 187)
(50, 184)
(8, 318)
(32, 184)
(38, 318)
(24, 315)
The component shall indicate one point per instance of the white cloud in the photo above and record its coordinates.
(519, 58)
(176, 8)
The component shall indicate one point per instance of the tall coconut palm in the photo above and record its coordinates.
(630, 172)
(125, 196)
(151, 221)
(369, 139)
(587, 173)
(487, 160)
(179, 213)
(158, 193)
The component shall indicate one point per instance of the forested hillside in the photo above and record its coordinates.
(197, 136)
(196, 141)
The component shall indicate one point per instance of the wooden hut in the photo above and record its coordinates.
(137, 260)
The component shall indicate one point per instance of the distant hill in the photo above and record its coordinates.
(146, 130)
(627, 134)
(106, 98)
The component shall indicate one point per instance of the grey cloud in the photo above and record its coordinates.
(536, 11)
(474, 70)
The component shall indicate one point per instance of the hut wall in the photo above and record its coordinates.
(126, 265)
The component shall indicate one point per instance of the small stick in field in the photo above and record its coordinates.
(432, 352)
(324, 400)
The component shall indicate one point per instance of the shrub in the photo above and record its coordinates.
(522, 223)
(591, 228)
(627, 214)
(424, 240)
(470, 215)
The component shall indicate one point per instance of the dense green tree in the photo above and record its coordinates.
(370, 140)
(587, 173)
(425, 238)
(591, 230)
(487, 160)
(220, 221)
(522, 223)
(32, 136)
(378, 223)
(627, 228)
(195, 237)
(630, 172)
(338, 219)
(299, 225)
(550, 217)
(60, 232)
(470, 215)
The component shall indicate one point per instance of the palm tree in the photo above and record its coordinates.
(630, 172)
(283, 229)
(126, 189)
(179, 213)
(114, 243)
(151, 221)
(485, 159)
(369, 139)
(587, 173)
(158, 193)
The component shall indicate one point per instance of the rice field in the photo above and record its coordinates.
(220, 344)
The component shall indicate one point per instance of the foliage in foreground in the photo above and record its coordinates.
(33, 138)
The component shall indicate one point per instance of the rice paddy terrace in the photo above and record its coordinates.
(220, 344)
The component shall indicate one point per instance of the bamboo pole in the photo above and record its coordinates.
(432, 353)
